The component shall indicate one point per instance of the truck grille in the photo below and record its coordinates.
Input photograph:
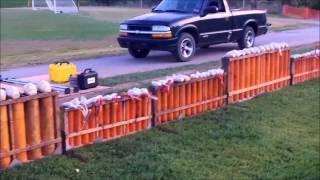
(139, 28)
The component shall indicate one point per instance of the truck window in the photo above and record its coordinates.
(188, 6)
(217, 3)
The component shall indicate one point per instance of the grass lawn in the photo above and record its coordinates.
(33, 37)
(274, 136)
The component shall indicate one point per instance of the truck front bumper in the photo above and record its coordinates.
(148, 43)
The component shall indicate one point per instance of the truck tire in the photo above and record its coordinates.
(139, 53)
(186, 47)
(248, 38)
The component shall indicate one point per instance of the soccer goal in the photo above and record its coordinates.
(57, 6)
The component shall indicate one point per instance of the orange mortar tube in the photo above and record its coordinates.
(210, 92)
(92, 125)
(278, 68)
(19, 129)
(4, 137)
(232, 78)
(120, 129)
(176, 100)
(114, 118)
(127, 116)
(215, 92)
(258, 73)
(247, 80)
(242, 78)
(106, 120)
(200, 95)
(84, 139)
(71, 127)
(100, 120)
(205, 94)
(170, 104)
(182, 97)
(158, 105)
(145, 111)
(133, 114)
(273, 70)
(188, 98)
(78, 127)
(139, 114)
(220, 93)
(269, 69)
(236, 79)
(250, 75)
(254, 75)
(47, 124)
(164, 106)
(33, 128)
(194, 96)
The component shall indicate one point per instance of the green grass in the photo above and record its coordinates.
(44, 25)
(275, 136)
(13, 3)
(142, 76)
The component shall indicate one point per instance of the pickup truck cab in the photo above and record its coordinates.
(182, 26)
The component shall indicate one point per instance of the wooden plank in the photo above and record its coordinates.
(28, 98)
(92, 130)
(28, 148)
(259, 86)
(306, 73)
(190, 106)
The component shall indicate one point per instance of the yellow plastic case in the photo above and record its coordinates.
(60, 72)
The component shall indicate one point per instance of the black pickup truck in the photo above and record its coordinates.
(182, 26)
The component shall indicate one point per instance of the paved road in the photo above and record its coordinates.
(116, 65)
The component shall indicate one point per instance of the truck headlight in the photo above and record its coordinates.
(161, 28)
(123, 27)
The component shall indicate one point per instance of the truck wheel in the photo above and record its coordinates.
(139, 53)
(186, 47)
(248, 38)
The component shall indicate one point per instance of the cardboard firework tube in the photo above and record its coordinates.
(47, 124)
(236, 81)
(120, 129)
(268, 71)
(242, 77)
(114, 118)
(258, 73)
(273, 69)
(127, 116)
(19, 128)
(92, 124)
(100, 119)
(194, 96)
(33, 128)
(133, 114)
(247, 77)
(188, 98)
(262, 70)
(231, 82)
(85, 137)
(164, 106)
(78, 127)
(158, 105)
(4, 137)
(205, 94)
(220, 92)
(182, 97)
(176, 100)
(200, 94)
(71, 126)
(145, 110)
(210, 92)
(170, 104)
(278, 68)
(215, 92)
(252, 74)
(106, 119)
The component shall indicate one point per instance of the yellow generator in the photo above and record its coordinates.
(60, 71)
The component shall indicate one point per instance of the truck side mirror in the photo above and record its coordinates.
(210, 9)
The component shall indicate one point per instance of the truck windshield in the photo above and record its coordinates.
(181, 6)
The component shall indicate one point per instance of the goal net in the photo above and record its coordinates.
(57, 6)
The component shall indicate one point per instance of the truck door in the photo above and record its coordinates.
(216, 27)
